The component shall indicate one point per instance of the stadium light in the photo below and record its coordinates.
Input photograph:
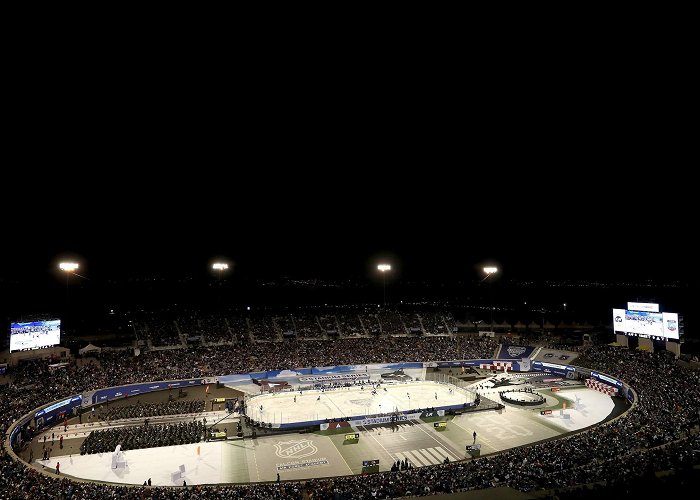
(220, 267)
(68, 268)
(490, 271)
(384, 268)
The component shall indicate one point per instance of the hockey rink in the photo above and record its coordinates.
(305, 406)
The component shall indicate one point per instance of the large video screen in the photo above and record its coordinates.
(643, 323)
(35, 335)
(646, 324)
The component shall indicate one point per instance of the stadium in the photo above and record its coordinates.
(323, 406)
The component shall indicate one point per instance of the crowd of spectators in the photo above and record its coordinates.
(161, 331)
(329, 325)
(307, 326)
(349, 325)
(412, 323)
(140, 410)
(284, 325)
(144, 436)
(391, 323)
(436, 323)
(238, 326)
(214, 329)
(261, 328)
(371, 324)
(189, 325)
(659, 433)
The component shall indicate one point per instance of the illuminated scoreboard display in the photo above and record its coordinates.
(35, 335)
(647, 321)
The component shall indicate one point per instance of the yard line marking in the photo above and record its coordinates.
(430, 458)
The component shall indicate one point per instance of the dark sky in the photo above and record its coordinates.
(328, 231)
(563, 184)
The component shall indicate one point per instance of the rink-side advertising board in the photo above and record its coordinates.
(103, 395)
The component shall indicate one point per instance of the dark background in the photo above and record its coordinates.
(557, 181)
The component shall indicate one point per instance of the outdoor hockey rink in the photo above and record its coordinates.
(353, 401)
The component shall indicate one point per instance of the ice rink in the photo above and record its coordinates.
(353, 401)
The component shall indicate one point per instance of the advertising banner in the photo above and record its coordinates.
(135, 389)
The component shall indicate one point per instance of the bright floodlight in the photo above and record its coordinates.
(220, 266)
(69, 267)
(490, 270)
(384, 267)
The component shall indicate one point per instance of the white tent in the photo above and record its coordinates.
(89, 348)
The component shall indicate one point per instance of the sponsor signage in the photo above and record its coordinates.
(129, 390)
(643, 306)
(334, 376)
(440, 425)
(605, 378)
(546, 412)
(385, 420)
(301, 464)
(553, 365)
(13, 436)
(355, 436)
(58, 405)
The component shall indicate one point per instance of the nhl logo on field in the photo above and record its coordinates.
(515, 351)
(295, 449)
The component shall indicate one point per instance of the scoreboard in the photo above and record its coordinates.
(646, 322)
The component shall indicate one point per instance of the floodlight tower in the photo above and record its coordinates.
(490, 271)
(68, 268)
(220, 267)
(384, 268)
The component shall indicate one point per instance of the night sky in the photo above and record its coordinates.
(323, 233)
(324, 190)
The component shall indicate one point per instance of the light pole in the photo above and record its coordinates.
(220, 267)
(490, 270)
(68, 268)
(384, 268)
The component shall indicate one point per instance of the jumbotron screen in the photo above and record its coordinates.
(646, 324)
(35, 335)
